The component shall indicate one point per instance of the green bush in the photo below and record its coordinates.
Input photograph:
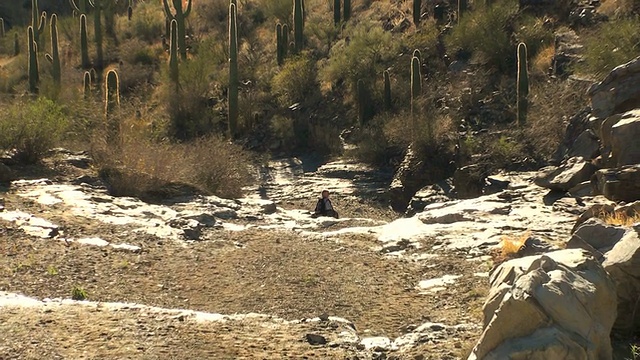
(296, 80)
(31, 128)
(483, 33)
(148, 22)
(535, 34)
(364, 56)
(613, 44)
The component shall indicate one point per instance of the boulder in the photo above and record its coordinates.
(618, 92)
(560, 305)
(469, 181)
(595, 236)
(564, 177)
(6, 174)
(408, 179)
(623, 263)
(625, 148)
(619, 184)
(585, 146)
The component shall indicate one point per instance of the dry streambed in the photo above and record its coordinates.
(359, 286)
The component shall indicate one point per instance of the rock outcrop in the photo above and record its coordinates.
(619, 184)
(618, 92)
(595, 236)
(555, 306)
(566, 176)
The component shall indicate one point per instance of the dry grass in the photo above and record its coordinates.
(620, 218)
(543, 60)
(509, 246)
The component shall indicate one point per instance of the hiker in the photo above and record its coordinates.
(324, 206)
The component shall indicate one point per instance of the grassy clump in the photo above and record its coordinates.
(613, 43)
(31, 128)
(78, 294)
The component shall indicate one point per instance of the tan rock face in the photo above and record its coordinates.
(618, 92)
(555, 306)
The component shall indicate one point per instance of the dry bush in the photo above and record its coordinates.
(543, 60)
(510, 246)
(551, 105)
(620, 218)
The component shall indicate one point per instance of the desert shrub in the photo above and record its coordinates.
(612, 44)
(484, 33)
(551, 106)
(140, 167)
(278, 9)
(211, 13)
(363, 56)
(137, 52)
(31, 128)
(148, 22)
(533, 32)
(13, 73)
(296, 80)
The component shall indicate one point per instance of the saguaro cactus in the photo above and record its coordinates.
(111, 93)
(38, 22)
(363, 101)
(298, 25)
(81, 7)
(416, 90)
(462, 8)
(173, 54)
(417, 9)
(86, 85)
(179, 16)
(34, 77)
(54, 57)
(1, 27)
(97, 29)
(336, 12)
(84, 43)
(233, 71)
(285, 40)
(522, 84)
(347, 10)
(16, 45)
(130, 10)
(279, 45)
(387, 90)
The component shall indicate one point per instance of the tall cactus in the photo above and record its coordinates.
(81, 7)
(34, 76)
(233, 71)
(86, 85)
(130, 10)
(173, 54)
(97, 30)
(38, 22)
(298, 25)
(462, 8)
(387, 90)
(1, 27)
(416, 90)
(336, 12)
(179, 16)
(54, 57)
(111, 93)
(279, 45)
(522, 84)
(363, 101)
(16, 44)
(417, 9)
(417, 54)
(285, 40)
(347, 10)
(84, 43)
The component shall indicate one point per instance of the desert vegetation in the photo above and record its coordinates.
(148, 78)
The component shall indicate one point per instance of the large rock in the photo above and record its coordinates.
(620, 184)
(585, 146)
(564, 177)
(618, 92)
(468, 181)
(623, 263)
(555, 306)
(6, 175)
(409, 178)
(625, 148)
(595, 236)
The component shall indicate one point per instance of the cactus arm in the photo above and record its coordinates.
(188, 11)
(167, 10)
(74, 6)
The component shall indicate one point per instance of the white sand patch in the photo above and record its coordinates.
(438, 284)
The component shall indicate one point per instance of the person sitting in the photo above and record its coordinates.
(324, 206)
